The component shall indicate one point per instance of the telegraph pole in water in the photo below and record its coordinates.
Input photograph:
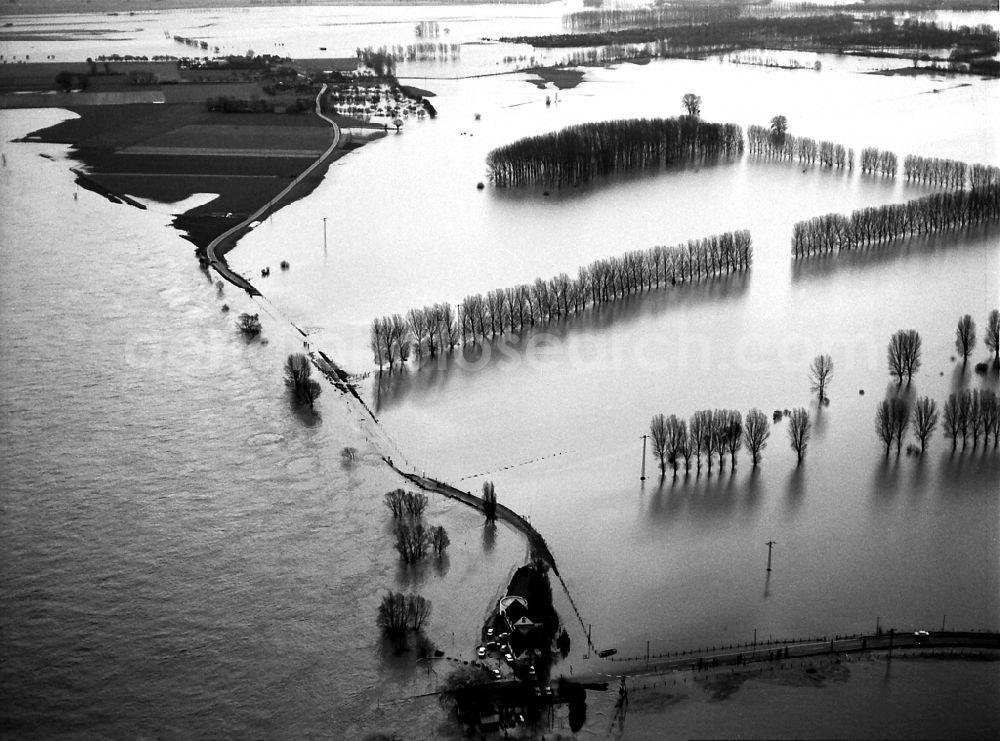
(324, 234)
(770, 544)
(643, 477)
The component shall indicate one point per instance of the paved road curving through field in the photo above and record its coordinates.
(218, 263)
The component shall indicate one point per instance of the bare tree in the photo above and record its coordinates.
(412, 540)
(392, 616)
(925, 419)
(799, 432)
(821, 374)
(298, 378)
(899, 416)
(904, 354)
(734, 435)
(965, 338)
(418, 611)
(248, 324)
(992, 338)
(677, 436)
(415, 503)
(439, 540)
(696, 435)
(395, 501)
(659, 435)
(883, 425)
(691, 104)
(950, 420)
(756, 431)
(964, 415)
(489, 501)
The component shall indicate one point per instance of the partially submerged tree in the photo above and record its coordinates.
(439, 540)
(489, 501)
(659, 435)
(756, 431)
(298, 378)
(899, 417)
(992, 338)
(412, 540)
(399, 613)
(416, 503)
(965, 338)
(821, 374)
(733, 435)
(692, 104)
(925, 419)
(779, 127)
(248, 324)
(883, 425)
(395, 500)
(904, 355)
(799, 432)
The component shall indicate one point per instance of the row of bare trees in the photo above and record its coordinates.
(579, 153)
(720, 433)
(763, 141)
(508, 310)
(710, 433)
(949, 173)
(935, 171)
(969, 414)
(879, 161)
(972, 414)
(878, 224)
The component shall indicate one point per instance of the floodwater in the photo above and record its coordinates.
(185, 553)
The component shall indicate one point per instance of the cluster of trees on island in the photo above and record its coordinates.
(721, 433)
(878, 224)
(508, 310)
(577, 154)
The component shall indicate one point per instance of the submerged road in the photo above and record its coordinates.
(770, 651)
(341, 382)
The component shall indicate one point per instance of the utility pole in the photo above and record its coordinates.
(643, 477)
(324, 234)
(770, 544)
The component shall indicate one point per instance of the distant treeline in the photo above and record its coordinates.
(762, 141)
(610, 19)
(878, 224)
(505, 310)
(582, 152)
(837, 31)
(620, 18)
